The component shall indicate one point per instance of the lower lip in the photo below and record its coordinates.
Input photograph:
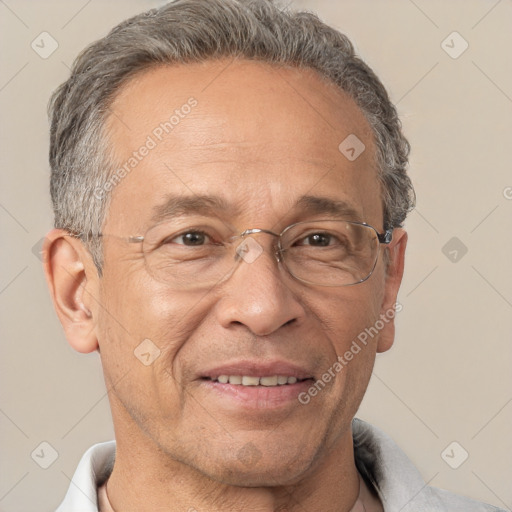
(258, 397)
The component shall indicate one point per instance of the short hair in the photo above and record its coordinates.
(190, 31)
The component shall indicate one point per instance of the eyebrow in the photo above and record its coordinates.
(212, 206)
(206, 205)
(318, 205)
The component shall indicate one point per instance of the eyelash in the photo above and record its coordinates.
(195, 231)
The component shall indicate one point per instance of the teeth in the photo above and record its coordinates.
(247, 380)
(250, 381)
(269, 381)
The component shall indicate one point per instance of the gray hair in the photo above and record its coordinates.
(186, 31)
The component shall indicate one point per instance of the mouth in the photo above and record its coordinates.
(255, 385)
(258, 373)
(251, 380)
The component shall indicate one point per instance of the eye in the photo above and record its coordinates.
(189, 238)
(319, 240)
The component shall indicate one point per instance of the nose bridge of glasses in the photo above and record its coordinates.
(253, 231)
(249, 249)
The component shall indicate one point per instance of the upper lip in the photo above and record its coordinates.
(258, 369)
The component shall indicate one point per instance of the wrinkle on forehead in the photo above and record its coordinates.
(273, 93)
(259, 134)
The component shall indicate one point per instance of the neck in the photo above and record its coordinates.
(146, 479)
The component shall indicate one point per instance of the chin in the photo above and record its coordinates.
(252, 459)
(268, 470)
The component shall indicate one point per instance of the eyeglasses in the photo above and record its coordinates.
(321, 252)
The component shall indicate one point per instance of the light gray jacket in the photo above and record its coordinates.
(398, 483)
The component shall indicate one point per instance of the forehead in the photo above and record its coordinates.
(257, 136)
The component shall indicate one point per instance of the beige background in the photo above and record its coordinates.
(448, 377)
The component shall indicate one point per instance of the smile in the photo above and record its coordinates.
(249, 380)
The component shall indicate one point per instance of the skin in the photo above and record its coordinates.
(260, 137)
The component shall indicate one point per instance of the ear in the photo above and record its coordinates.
(64, 261)
(393, 279)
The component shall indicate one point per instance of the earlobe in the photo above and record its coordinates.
(393, 279)
(66, 275)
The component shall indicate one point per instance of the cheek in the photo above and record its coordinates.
(348, 322)
(349, 312)
(142, 329)
(139, 315)
(139, 304)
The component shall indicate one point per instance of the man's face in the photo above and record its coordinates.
(260, 139)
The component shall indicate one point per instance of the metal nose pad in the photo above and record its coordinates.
(249, 249)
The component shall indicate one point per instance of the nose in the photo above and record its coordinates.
(259, 294)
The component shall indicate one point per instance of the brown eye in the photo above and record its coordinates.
(190, 238)
(318, 240)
